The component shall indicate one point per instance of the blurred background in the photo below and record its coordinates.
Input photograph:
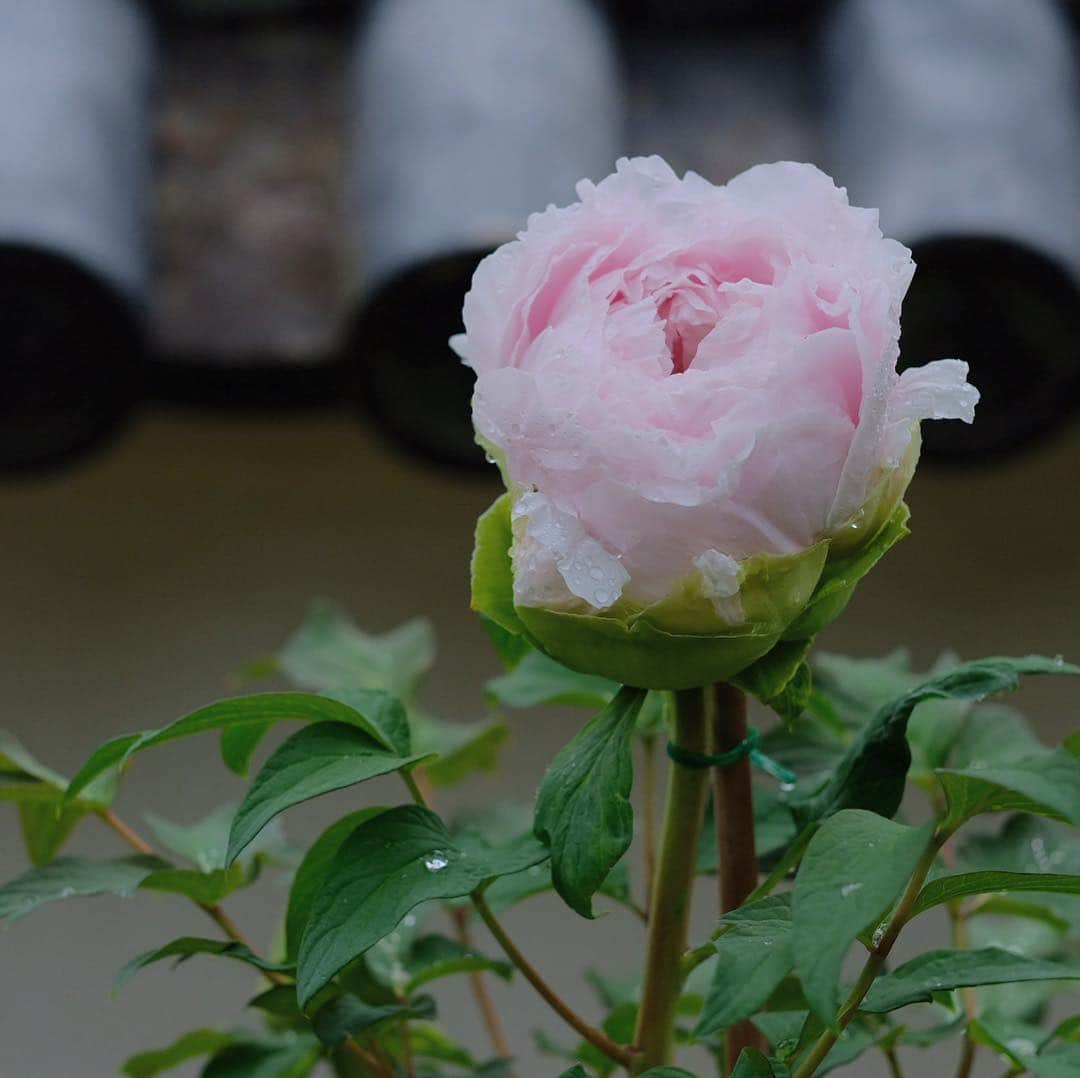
(234, 236)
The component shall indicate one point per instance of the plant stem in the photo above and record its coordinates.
(648, 811)
(875, 961)
(669, 907)
(484, 1003)
(211, 909)
(733, 813)
(594, 1036)
(597, 1038)
(958, 930)
(696, 955)
(892, 1061)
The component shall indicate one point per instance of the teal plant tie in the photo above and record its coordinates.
(747, 747)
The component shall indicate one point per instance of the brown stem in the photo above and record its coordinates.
(733, 812)
(484, 1003)
(597, 1038)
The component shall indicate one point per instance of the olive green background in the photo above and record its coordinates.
(136, 583)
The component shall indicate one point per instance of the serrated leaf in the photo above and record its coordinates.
(432, 957)
(755, 955)
(329, 651)
(74, 877)
(312, 871)
(538, 679)
(583, 810)
(199, 1042)
(347, 1016)
(459, 748)
(316, 760)
(188, 946)
(387, 867)
(962, 884)
(1046, 784)
(854, 868)
(943, 970)
(873, 771)
(259, 709)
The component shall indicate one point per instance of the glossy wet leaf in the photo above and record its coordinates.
(188, 946)
(312, 871)
(963, 884)
(943, 970)
(1045, 784)
(853, 870)
(583, 811)
(755, 955)
(387, 867)
(256, 710)
(873, 772)
(316, 760)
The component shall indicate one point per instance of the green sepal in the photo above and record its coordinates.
(681, 641)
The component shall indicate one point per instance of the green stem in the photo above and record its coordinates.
(596, 1037)
(875, 961)
(669, 907)
(694, 957)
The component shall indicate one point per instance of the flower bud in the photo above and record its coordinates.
(691, 392)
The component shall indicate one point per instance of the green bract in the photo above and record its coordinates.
(682, 642)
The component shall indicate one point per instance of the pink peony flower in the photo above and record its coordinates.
(676, 377)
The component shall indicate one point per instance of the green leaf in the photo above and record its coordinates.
(752, 1064)
(538, 679)
(387, 867)
(460, 748)
(491, 572)
(1047, 784)
(1012, 907)
(873, 772)
(314, 761)
(289, 1056)
(666, 1072)
(237, 711)
(854, 868)
(206, 887)
(947, 888)
(202, 843)
(238, 745)
(312, 872)
(583, 810)
(199, 1042)
(780, 679)
(74, 877)
(577, 1070)
(840, 574)
(329, 652)
(347, 1016)
(755, 955)
(187, 946)
(433, 956)
(943, 970)
(46, 826)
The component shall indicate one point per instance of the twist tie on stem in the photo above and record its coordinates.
(747, 747)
